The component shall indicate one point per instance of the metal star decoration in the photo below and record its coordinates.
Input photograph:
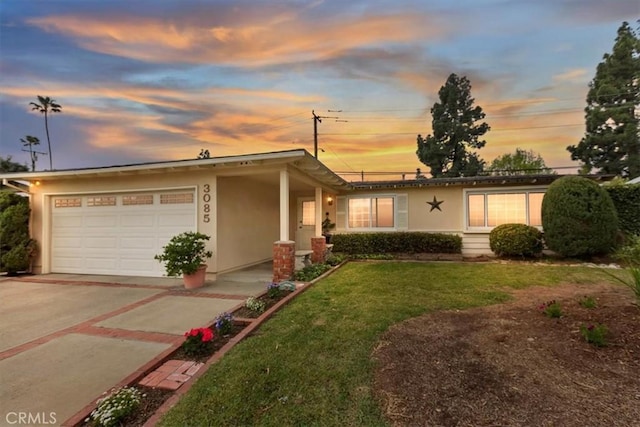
(435, 204)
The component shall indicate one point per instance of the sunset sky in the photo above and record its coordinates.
(160, 80)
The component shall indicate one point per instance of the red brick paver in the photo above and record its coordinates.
(172, 374)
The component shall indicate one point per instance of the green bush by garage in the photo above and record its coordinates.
(16, 247)
(578, 218)
(398, 242)
(516, 240)
(626, 199)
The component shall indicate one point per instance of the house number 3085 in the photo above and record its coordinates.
(206, 198)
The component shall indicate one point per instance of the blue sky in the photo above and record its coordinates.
(161, 80)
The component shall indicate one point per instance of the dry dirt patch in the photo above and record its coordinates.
(509, 365)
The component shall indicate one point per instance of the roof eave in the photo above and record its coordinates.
(469, 181)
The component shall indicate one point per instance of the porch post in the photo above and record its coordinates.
(284, 205)
(318, 242)
(318, 211)
(284, 250)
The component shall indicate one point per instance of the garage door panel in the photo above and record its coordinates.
(138, 242)
(62, 221)
(101, 263)
(118, 240)
(67, 242)
(100, 221)
(138, 221)
(140, 268)
(70, 263)
(174, 220)
(101, 243)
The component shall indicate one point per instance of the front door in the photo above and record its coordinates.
(306, 223)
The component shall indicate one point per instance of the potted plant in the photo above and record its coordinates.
(327, 226)
(185, 255)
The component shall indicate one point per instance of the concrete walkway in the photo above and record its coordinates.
(66, 339)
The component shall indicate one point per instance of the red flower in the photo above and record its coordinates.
(194, 332)
(207, 334)
(591, 327)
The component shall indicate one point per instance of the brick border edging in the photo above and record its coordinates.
(253, 324)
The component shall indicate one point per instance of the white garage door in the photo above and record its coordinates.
(117, 234)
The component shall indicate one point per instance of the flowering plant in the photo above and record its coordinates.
(273, 290)
(224, 323)
(198, 341)
(113, 408)
(551, 309)
(256, 305)
(276, 290)
(595, 334)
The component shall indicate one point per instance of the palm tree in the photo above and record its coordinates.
(31, 141)
(45, 105)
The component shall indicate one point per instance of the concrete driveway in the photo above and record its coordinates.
(66, 339)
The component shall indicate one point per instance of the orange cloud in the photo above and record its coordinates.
(573, 75)
(264, 41)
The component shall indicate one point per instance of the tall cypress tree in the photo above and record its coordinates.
(455, 131)
(611, 140)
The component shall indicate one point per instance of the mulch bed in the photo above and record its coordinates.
(510, 365)
(245, 313)
(216, 345)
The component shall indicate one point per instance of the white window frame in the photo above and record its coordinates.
(373, 196)
(493, 190)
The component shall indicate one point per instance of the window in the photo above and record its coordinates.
(175, 198)
(74, 202)
(491, 209)
(146, 199)
(101, 201)
(371, 212)
(506, 208)
(309, 212)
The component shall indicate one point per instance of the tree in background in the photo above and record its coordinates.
(30, 141)
(7, 165)
(46, 105)
(522, 162)
(611, 141)
(455, 132)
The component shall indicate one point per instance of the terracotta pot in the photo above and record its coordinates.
(195, 280)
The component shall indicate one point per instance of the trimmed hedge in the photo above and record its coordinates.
(516, 240)
(626, 199)
(398, 242)
(578, 218)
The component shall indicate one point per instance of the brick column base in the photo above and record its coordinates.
(319, 248)
(284, 259)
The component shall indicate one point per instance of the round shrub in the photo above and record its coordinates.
(516, 240)
(578, 218)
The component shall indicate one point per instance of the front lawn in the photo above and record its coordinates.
(311, 363)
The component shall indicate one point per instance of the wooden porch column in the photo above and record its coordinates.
(284, 250)
(318, 212)
(284, 205)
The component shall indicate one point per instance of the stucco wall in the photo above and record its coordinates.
(447, 220)
(248, 221)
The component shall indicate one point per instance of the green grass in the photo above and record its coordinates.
(310, 364)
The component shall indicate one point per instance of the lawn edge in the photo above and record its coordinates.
(133, 378)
